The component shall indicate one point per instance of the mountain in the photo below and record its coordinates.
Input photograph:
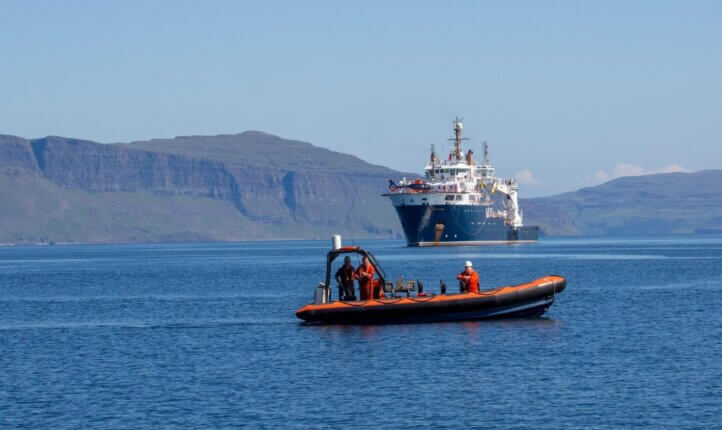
(667, 203)
(245, 186)
(254, 185)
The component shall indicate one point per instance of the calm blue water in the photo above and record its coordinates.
(204, 336)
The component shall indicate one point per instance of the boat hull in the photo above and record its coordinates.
(527, 300)
(453, 225)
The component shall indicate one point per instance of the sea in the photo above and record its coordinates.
(196, 336)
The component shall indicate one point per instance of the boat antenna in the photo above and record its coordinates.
(486, 152)
(353, 242)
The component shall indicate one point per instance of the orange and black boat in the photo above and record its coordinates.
(525, 300)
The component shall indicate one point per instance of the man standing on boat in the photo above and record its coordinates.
(344, 277)
(365, 276)
(469, 279)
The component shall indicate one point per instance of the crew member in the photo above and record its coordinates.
(365, 276)
(469, 279)
(344, 277)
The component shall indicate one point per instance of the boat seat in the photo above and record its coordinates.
(400, 287)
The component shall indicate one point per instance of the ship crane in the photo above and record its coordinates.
(510, 188)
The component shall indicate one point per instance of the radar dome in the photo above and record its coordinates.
(458, 126)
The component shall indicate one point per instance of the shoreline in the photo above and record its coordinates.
(48, 244)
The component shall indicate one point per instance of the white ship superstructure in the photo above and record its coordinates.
(456, 202)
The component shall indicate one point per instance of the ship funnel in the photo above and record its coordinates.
(336, 242)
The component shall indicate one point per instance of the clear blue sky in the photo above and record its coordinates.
(566, 93)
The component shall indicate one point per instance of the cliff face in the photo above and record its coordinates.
(16, 152)
(261, 186)
(290, 181)
(90, 166)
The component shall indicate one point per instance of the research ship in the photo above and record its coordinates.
(460, 202)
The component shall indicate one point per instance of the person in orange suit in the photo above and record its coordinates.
(469, 279)
(365, 276)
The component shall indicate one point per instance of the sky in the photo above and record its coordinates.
(567, 94)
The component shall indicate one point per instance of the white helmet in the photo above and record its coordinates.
(468, 264)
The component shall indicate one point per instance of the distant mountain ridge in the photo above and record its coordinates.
(664, 203)
(250, 185)
(255, 185)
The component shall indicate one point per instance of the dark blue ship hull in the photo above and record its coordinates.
(430, 225)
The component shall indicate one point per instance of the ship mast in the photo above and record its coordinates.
(458, 128)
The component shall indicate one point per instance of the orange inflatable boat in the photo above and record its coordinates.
(525, 300)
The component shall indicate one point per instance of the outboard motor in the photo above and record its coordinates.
(321, 295)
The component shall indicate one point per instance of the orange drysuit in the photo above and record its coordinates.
(365, 276)
(472, 281)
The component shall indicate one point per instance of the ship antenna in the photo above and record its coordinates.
(458, 128)
(486, 153)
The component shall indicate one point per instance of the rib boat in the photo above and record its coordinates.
(399, 305)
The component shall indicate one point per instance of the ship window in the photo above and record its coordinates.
(449, 197)
(459, 197)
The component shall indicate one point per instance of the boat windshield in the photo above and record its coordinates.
(376, 265)
(332, 255)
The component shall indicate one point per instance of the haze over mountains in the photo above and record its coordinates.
(254, 185)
